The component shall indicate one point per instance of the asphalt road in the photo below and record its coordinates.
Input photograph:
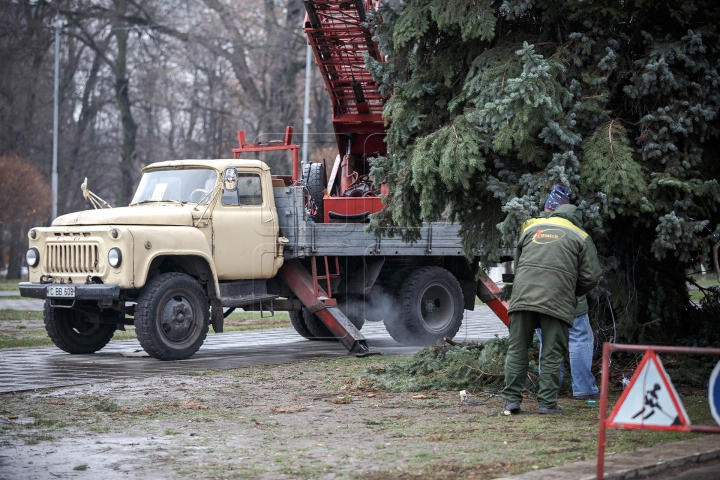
(43, 367)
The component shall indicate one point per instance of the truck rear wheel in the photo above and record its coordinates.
(356, 309)
(71, 331)
(172, 316)
(316, 327)
(311, 327)
(298, 322)
(430, 307)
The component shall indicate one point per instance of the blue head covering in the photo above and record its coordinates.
(558, 196)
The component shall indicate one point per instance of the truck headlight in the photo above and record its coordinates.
(114, 257)
(33, 257)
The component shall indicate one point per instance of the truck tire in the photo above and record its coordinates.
(172, 316)
(430, 305)
(311, 327)
(354, 310)
(398, 278)
(316, 327)
(70, 331)
(298, 322)
(315, 180)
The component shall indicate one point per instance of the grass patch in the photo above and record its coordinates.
(9, 285)
(19, 328)
(707, 280)
(16, 315)
(126, 335)
(13, 342)
(104, 405)
(35, 439)
(696, 295)
(246, 321)
(40, 422)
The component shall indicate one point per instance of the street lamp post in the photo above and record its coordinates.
(54, 180)
(306, 113)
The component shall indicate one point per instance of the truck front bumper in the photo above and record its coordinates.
(82, 291)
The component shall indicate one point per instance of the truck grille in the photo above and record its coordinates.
(72, 258)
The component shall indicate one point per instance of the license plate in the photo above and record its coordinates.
(61, 291)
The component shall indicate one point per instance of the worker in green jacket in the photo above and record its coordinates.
(555, 262)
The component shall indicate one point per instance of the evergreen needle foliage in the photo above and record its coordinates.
(491, 103)
(443, 367)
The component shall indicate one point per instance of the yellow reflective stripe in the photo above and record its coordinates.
(555, 221)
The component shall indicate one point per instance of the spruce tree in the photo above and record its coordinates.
(491, 103)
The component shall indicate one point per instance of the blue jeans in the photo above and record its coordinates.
(581, 352)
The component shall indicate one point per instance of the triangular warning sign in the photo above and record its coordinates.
(650, 401)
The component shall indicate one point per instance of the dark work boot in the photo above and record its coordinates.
(550, 410)
(511, 407)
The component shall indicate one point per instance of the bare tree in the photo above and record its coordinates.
(24, 200)
(147, 80)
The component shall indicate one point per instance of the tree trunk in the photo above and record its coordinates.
(129, 127)
(15, 262)
(2, 245)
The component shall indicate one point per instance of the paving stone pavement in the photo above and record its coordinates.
(43, 367)
(647, 463)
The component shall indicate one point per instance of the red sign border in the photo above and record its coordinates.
(605, 383)
(650, 356)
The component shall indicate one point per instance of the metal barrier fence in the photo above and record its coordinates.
(679, 424)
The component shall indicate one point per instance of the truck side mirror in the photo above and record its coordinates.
(230, 179)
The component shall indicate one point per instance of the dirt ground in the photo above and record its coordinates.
(316, 419)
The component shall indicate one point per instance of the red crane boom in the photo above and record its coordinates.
(340, 41)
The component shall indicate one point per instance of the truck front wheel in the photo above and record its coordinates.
(431, 307)
(172, 316)
(71, 331)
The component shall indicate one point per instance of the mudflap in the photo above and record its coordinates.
(217, 319)
(487, 291)
(296, 276)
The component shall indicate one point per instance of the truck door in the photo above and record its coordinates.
(245, 230)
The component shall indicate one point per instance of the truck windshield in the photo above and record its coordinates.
(172, 185)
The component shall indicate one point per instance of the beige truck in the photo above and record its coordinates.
(204, 237)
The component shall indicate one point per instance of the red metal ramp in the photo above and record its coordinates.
(301, 283)
(340, 39)
(487, 291)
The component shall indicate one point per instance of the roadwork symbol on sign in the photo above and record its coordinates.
(650, 400)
